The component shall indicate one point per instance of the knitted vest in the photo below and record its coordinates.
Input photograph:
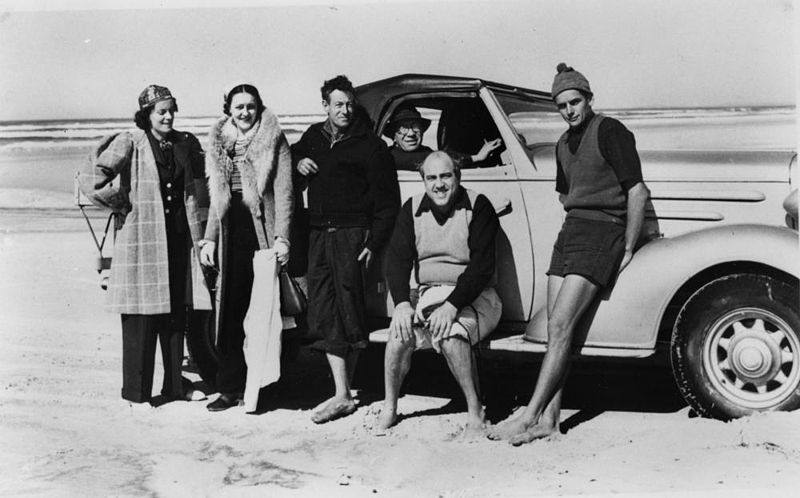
(442, 250)
(592, 183)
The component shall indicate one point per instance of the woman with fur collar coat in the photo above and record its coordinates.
(249, 171)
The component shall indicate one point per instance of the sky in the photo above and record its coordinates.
(74, 59)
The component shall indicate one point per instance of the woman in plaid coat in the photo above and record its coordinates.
(162, 199)
(250, 184)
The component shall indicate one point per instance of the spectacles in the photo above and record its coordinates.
(407, 129)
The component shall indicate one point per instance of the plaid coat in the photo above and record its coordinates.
(139, 280)
(266, 176)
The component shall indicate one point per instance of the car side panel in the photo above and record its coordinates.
(514, 257)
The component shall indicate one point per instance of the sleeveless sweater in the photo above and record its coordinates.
(592, 183)
(442, 250)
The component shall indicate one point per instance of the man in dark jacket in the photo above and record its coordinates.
(353, 199)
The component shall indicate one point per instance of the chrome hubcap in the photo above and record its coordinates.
(753, 358)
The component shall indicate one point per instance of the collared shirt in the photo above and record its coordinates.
(333, 135)
(617, 146)
(402, 252)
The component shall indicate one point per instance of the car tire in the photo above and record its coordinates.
(201, 342)
(736, 347)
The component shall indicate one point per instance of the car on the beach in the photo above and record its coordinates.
(714, 283)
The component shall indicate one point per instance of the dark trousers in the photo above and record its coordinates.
(139, 335)
(336, 308)
(238, 267)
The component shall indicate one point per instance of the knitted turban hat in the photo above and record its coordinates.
(569, 79)
(153, 94)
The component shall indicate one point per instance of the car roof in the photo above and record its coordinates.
(374, 96)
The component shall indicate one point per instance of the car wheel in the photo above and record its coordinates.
(201, 342)
(736, 347)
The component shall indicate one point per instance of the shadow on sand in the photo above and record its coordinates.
(507, 381)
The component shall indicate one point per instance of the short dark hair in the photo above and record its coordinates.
(142, 116)
(244, 88)
(341, 83)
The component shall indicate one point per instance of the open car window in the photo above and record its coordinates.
(460, 125)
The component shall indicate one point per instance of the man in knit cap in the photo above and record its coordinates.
(599, 182)
(447, 235)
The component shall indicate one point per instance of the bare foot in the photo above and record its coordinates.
(386, 419)
(334, 409)
(474, 431)
(537, 431)
(507, 428)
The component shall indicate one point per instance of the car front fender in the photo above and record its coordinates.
(629, 314)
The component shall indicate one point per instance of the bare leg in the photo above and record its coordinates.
(396, 363)
(458, 353)
(574, 296)
(550, 418)
(341, 403)
(515, 424)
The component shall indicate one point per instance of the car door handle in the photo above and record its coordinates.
(502, 208)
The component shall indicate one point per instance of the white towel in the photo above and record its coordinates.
(262, 328)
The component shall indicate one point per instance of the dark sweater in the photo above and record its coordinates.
(356, 185)
(409, 161)
(604, 153)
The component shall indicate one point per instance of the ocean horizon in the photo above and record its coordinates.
(41, 135)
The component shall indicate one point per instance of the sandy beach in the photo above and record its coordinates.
(66, 432)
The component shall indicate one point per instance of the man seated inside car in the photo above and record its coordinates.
(407, 128)
(447, 235)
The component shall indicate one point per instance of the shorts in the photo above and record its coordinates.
(592, 249)
(473, 322)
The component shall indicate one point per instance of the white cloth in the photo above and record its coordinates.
(474, 322)
(262, 328)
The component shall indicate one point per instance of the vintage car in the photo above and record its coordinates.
(714, 283)
(715, 280)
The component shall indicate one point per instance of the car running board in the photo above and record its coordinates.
(515, 343)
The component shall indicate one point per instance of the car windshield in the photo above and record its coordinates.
(536, 122)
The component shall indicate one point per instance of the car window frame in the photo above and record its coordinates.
(502, 172)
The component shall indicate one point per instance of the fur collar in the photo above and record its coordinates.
(256, 171)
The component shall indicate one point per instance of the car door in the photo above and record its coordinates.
(496, 178)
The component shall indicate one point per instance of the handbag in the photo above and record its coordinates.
(293, 299)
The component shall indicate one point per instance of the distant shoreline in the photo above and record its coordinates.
(318, 116)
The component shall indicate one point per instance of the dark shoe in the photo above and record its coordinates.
(224, 402)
